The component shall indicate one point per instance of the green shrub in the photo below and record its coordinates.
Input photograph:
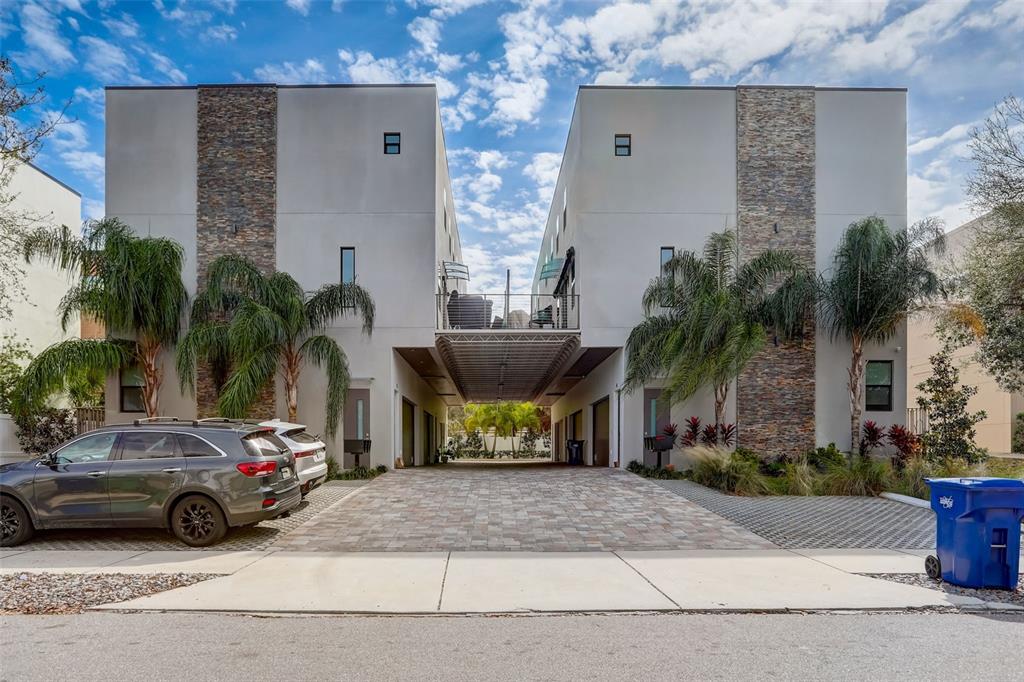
(1018, 434)
(952, 467)
(800, 478)
(360, 473)
(1004, 468)
(858, 476)
(910, 479)
(736, 473)
(823, 458)
(42, 430)
(332, 468)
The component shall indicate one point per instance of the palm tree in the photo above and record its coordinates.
(706, 317)
(522, 416)
(132, 285)
(878, 277)
(258, 324)
(483, 417)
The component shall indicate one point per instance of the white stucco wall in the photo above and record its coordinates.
(335, 188)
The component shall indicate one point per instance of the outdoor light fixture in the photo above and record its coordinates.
(775, 227)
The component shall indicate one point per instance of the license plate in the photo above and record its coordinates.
(319, 457)
(286, 472)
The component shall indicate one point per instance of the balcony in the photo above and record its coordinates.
(506, 346)
(502, 312)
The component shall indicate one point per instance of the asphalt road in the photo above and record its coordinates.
(890, 646)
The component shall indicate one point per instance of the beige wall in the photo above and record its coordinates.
(995, 432)
(35, 318)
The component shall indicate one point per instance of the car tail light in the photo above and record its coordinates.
(270, 502)
(307, 453)
(257, 469)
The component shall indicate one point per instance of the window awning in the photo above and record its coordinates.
(552, 268)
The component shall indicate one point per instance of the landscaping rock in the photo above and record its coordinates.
(53, 593)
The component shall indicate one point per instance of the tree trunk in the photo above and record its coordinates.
(721, 395)
(149, 355)
(856, 374)
(291, 384)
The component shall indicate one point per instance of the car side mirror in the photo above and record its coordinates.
(49, 459)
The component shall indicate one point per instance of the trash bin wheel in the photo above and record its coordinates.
(933, 567)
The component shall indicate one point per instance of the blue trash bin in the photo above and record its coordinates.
(977, 531)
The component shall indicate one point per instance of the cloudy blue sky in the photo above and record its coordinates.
(507, 74)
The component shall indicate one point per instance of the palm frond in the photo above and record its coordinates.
(246, 383)
(203, 341)
(325, 352)
(230, 277)
(334, 300)
(51, 369)
(645, 350)
(255, 326)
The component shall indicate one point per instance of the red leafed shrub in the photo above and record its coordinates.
(871, 437)
(692, 432)
(670, 430)
(906, 443)
(727, 433)
(709, 434)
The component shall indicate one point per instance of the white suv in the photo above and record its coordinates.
(310, 453)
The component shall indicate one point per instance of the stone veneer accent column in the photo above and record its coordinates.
(775, 143)
(236, 199)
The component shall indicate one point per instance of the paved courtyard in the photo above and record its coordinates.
(819, 522)
(539, 507)
(145, 539)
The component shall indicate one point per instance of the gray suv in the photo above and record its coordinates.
(196, 478)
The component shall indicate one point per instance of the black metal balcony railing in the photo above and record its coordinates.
(508, 311)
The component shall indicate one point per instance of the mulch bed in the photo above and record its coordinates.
(61, 593)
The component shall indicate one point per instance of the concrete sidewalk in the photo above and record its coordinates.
(513, 582)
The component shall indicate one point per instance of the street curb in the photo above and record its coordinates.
(907, 499)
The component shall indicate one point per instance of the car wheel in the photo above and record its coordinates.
(198, 521)
(15, 524)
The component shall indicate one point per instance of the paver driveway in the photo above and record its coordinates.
(539, 507)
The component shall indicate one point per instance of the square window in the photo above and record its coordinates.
(392, 143)
(623, 145)
(132, 382)
(878, 386)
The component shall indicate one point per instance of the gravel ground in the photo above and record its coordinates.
(1003, 596)
(53, 593)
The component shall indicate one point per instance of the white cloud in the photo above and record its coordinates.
(443, 9)
(166, 67)
(427, 32)
(108, 62)
(126, 26)
(300, 6)
(337, 5)
(222, 32)
(927, 144)
(47, 47)
(898, 45)
(226, 6)
(73, 23)
(363, 67)
(68, 134)
(543, 170)
(86, 163)
(309, 71)
(95, 98)
(92, 209)
(181, 13)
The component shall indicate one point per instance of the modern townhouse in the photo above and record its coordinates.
(650, 171)
(328, 183)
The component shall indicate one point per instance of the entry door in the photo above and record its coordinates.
(408, 433)
(357, 427)
(428, 438)
(558, 444)
(602, 432)
(656, 418)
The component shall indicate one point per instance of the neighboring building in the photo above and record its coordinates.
(328, 183)
(651, 171)
(995, 432)
(35, 320)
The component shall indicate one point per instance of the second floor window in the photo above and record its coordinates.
(667, 254)
(623, 145)
(392, 143)
(348, 265)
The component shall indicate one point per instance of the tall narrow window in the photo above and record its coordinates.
(360, 430)
(392, 143)
(348, 265)
(623, 145)
(878, 386)
(565, 218)
(132, 382)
